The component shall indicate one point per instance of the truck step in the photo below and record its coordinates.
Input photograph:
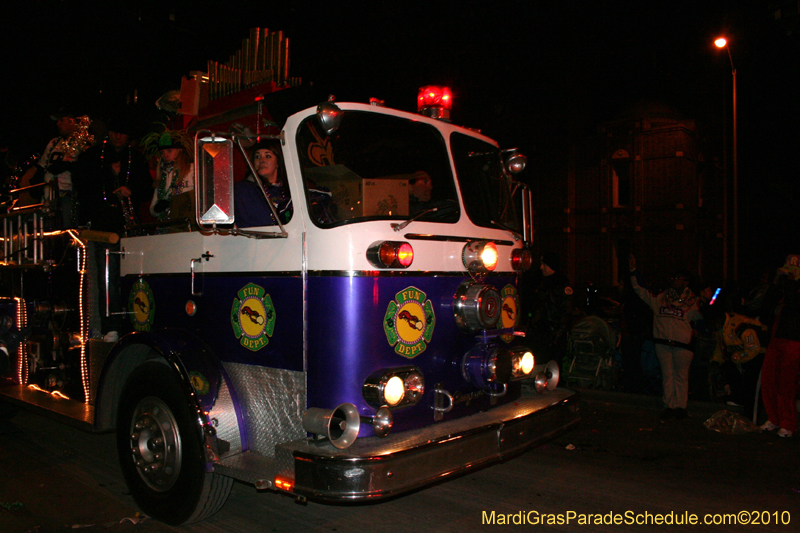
(249, 467)
(73, 412)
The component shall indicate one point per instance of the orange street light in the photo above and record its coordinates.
(723, 43)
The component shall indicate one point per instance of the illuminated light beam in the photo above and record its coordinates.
(81, 310)
(55, 393)
(22, 351)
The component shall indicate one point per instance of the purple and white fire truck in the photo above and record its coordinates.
(366, 345)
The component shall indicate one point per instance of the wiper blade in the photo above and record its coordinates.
(446, 207)
(402, 225)
(517, 235)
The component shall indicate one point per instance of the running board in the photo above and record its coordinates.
(72, 412)
(251, 468)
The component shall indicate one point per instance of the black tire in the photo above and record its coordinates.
(161, 449)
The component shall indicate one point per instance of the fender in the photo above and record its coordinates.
(206, 386)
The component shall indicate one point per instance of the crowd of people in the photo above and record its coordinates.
(746, 341)
(99, 176)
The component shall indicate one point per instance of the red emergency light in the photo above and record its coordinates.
(435, 102)
(390, 254)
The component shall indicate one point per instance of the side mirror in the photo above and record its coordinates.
(213, 179)
(329, 116)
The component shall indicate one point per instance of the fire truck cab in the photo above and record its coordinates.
(364, 344)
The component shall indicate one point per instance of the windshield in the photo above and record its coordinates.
(376, 167)
(484, 186)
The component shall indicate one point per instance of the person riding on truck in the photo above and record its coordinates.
(251, 206)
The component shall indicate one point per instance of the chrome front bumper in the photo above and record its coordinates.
(374, 468)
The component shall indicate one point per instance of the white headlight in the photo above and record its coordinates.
(394, 391)
(394, 387)
(522, 363)
(526, 363)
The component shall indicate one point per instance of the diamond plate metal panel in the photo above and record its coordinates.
(223, 418)
(272, 401)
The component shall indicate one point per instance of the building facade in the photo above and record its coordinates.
(641, 184)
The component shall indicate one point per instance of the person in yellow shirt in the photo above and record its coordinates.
(737, 358)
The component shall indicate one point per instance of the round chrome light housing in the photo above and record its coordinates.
(484, 366)
(477, 306)
(521, 259)
(382, 422)
(415, 385)
(394, 387)
(390, 254)
(480, 256)
(515, 162)
(522, 363)
(330, 116)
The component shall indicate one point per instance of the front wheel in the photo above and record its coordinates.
(161, 449)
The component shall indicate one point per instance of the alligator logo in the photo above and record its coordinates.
(141, 306)
(253, 317)
(510, 307)
(199, 383)
(409, 322)
(413, 321)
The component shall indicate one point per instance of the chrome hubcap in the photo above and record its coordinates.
(155, 444)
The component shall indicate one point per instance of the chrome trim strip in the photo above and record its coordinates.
(304, 275)
(452, 238)
(407, 273)
(376, 468)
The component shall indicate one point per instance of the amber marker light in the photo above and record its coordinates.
(489, 256)
(390, 254)
(387, 253)
(480, 256)
(284, 484)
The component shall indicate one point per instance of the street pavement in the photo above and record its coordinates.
(622, 459)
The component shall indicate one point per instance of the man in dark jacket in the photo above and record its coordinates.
(112, 181)
(554, 305)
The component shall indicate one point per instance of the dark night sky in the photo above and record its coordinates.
(548, 63)
(520, 70)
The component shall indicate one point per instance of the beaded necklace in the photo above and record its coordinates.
(166, 169)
